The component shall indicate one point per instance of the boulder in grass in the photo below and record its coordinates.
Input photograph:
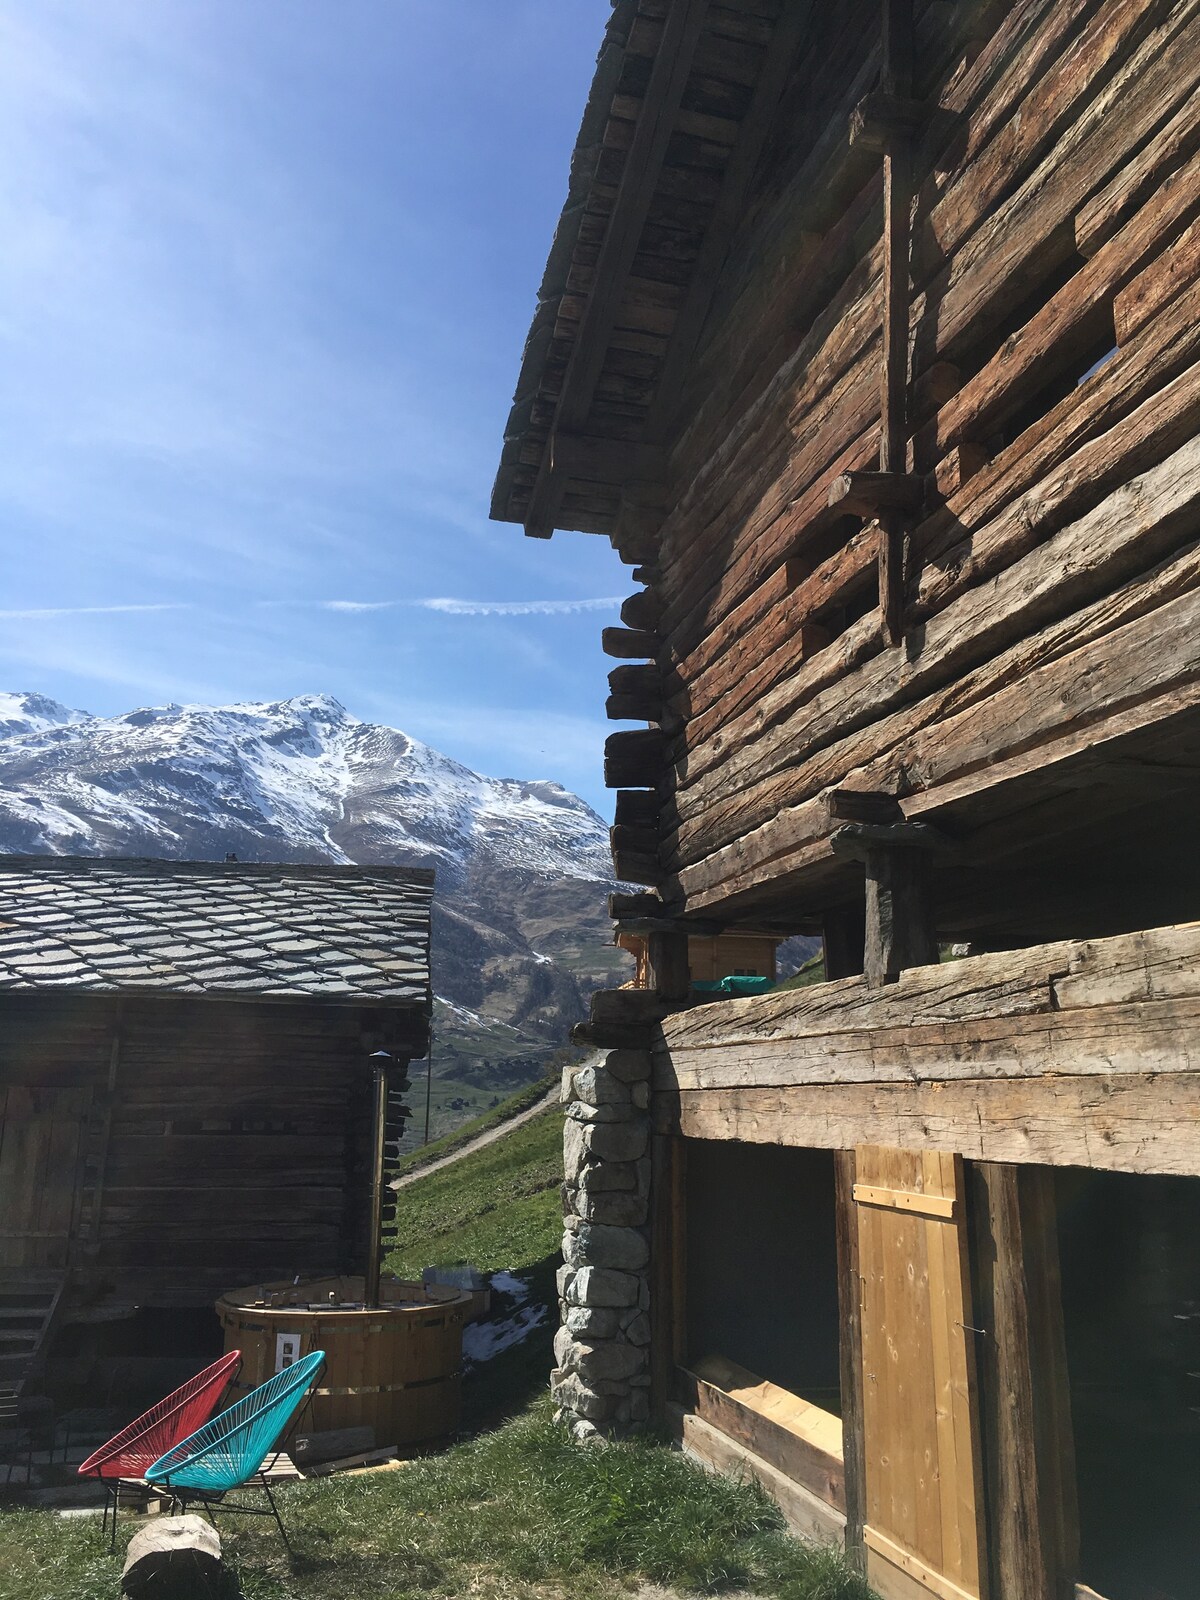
(175, 1558)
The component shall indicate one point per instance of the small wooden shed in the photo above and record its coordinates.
(185, 1076)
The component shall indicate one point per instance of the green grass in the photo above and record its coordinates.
(414, 1160)
(497, 1208)
(520, 1513)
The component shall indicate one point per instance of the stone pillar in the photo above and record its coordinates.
(602, 1378)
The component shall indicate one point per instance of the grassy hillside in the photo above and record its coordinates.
(497, 1209)
(424, 1154)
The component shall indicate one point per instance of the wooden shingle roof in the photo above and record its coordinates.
(344, 935)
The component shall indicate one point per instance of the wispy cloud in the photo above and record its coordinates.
(39, 614)
(517, 608)
(449, 606)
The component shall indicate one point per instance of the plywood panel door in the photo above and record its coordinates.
(41, 1138)
(924, 1502)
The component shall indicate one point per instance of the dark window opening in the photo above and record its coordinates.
(761, 1285)
(1130, 1250)
(1080, 360)
(1042, 290)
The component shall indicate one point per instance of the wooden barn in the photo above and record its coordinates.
(186, 1083)
(870, 337)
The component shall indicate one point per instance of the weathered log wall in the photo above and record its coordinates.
(1055, 227)
(1069, 1054)
(225, 1142)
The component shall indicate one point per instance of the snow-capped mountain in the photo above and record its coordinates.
(520, 932)
(293, 780)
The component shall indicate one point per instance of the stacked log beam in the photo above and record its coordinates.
(1066, 157)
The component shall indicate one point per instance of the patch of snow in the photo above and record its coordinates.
(507, 1283)
(483, 1341)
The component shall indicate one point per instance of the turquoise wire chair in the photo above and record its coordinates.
(228, 1452)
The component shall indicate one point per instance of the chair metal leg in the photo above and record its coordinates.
(278, 1519)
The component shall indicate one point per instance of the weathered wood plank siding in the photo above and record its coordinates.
(1080, 1053)
(1077, 492)
(226, 1142)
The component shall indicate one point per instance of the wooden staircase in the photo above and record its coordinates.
(29, 1304)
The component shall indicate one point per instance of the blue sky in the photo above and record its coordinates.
(268, 266)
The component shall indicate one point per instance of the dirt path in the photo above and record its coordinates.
(481, 1141)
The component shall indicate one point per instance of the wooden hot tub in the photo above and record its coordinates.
(395, 1367)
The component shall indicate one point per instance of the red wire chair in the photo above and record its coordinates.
(124, 1459)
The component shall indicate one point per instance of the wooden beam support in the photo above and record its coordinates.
(879, 119)
(727, 214)
(1030, 1468)
(642, 610)
(640, 678)
(639, 178)
(899, 925)
(629, 644)
(866, 494)
(854, 1463)
(610, 461)
(635, 808)
(636, 906)
(627, 1007)
(634, 708)
(635, 854)
(670, 973)
(634, 760)
(896, 86)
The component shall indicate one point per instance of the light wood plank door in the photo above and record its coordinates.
(924, 1501)
(41, 1140)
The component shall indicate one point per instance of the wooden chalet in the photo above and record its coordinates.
(870, 337)
(186, 1089)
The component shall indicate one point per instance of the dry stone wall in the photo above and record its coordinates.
(601, 1381)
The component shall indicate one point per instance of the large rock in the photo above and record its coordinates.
(596, 1244)
(601, 1286)
(596, 1086)
(175, 1558)
(575, 1150)
(570, 1391)
(615, 1141)
(580, 1111)
(631, 1066)
(594, 1322)
(621, 1210)
(607, 1175)
(605, 1361)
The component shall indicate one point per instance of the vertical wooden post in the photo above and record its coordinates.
(845, 950)
(1030, 1468)
(667, 1269)
(661, 1319)
(381, 1061)
(110, 1100)
(670, 975)
(854, 1461)
(895, 82)
(900, 930)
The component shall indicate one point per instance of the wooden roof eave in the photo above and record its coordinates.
(568, 453)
